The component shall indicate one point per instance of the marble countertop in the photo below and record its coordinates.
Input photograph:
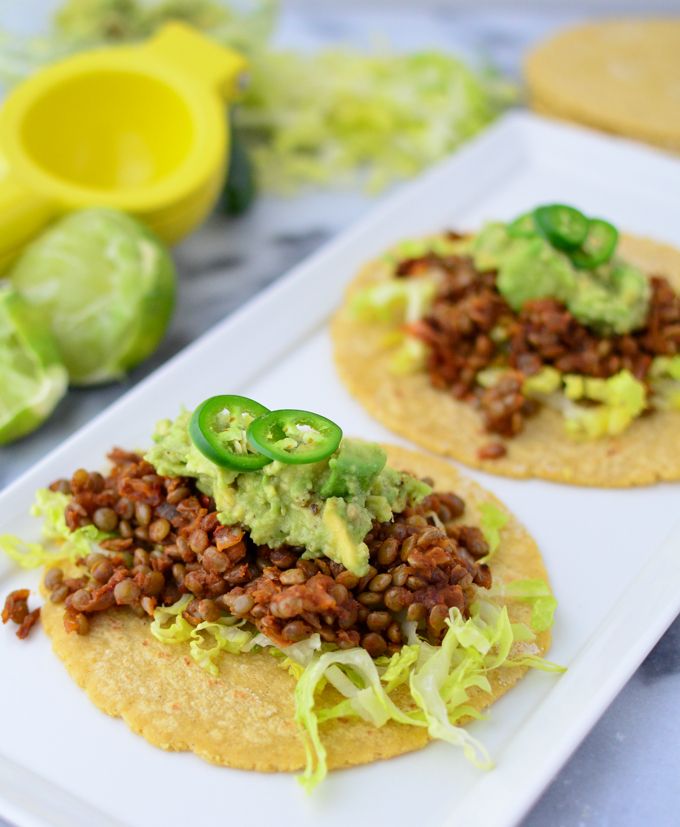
(625, 772)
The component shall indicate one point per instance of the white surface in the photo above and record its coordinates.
(617, 582)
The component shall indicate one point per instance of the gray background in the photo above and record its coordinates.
(625, 773)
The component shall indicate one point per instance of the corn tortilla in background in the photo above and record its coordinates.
(620, 76)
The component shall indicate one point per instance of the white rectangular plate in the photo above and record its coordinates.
(613, 556)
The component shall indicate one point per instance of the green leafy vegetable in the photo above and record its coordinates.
(404, 300)
(369, 700)
(64, 544)
(317, 119)
(548, 380)
(178, 630)
(439, 678)
(535, 592)
(440, 245)
(666, 367)
(206, 641)
(665, 382)
(409, 357)
(226, 637)
(622, 399)
(492, 521)
(85, 24)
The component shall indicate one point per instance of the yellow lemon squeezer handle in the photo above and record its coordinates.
(22, 215)
(221, 69)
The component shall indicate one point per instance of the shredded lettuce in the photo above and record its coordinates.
(409, 357)
(622, 399)
(666, 367)
(368, 700)
(440, 679)
(206, 640)
(394, 300)
(534, 592)
(398, 301)
(546, 381)
(665, 383)
(61, 542)
(381, 117)
(398, 667)
(493, 519)
(226, 637)
(178, 630)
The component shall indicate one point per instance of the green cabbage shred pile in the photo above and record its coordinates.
(439, 678)
(326, 117)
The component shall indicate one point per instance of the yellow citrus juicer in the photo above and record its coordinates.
(139, 128)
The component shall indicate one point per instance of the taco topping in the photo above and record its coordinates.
(537, 312)
(166, 541)
(349, 572)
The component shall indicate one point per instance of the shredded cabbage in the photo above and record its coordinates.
(410, 356)
(535, 592)
(402, 300)
(63, 544)
(387, 116)
(546, 381)
(439, 678)
(622, 399)
(493, 519)
(178, 630)
(206, 640)
(665, 382)
(666, 367)
(369, 700)
(226, 637)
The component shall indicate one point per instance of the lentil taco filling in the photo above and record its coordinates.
(546, 346)
(363, 581)
(470, 328)
(168, 542)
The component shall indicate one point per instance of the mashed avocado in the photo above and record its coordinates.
(613, 298)
(327, 507)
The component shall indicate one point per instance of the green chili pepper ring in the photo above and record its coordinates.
(565, 227)
(598, 246)
(266, 431)
(204, 430)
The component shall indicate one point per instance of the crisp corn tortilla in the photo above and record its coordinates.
(647, 452)
(618, 75)
(244, 717)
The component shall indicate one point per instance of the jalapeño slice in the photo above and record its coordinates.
(523, 226)
(598, 247)
(294, 437)
(218, 429)
(565, 227)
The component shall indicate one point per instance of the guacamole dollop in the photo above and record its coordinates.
(613, 298)
(326, 507)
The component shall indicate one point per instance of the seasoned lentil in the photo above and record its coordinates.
(471, 327)
(417, 569)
